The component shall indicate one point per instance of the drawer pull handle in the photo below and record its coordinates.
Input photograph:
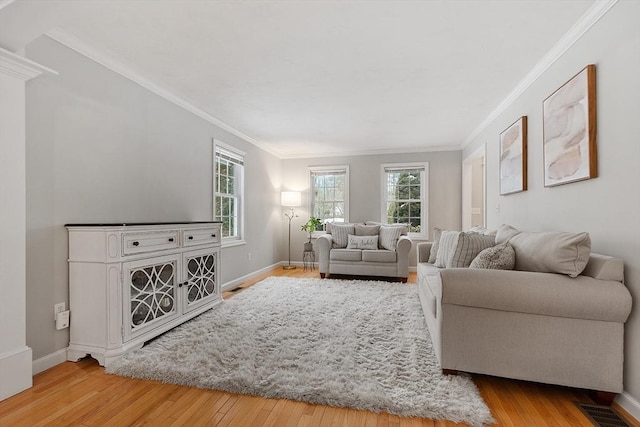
(190, 237)
(213, 235)
(136, 243)
(171, 239)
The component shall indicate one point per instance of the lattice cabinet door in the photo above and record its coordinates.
(201, 283)
(151, 293)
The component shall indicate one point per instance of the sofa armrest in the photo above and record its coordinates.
(402, 251)
(324, 243)
(424, 251)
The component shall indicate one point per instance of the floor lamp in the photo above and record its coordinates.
(291, 200)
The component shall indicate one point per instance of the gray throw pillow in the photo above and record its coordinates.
(340, 235)
(367, 230)
(468, 246)
(389, 237)
(499, 257)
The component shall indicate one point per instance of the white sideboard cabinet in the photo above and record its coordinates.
(128, 283)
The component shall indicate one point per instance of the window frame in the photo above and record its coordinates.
(424, 194)
(233, 154)
(339, 169)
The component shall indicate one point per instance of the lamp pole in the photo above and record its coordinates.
(290, 217)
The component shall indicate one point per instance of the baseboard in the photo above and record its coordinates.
(49, 361)
(629, 404)
(240, 280)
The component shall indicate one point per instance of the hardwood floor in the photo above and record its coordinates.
(81, 394)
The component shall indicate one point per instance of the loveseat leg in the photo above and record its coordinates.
(449, 372)
(322, 275)
(404, 279)
(603, 397)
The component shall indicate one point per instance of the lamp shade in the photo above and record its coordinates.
(291, 198)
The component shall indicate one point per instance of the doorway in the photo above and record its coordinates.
(474, 190)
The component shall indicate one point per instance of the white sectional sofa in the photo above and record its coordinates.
(531, 325)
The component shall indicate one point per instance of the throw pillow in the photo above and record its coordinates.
(498, 257)
(367, 230)
(340, 235)
(446, 247)
(363, 242)
(437, 232)
(389, 236)
(505, 233)
(467, 247)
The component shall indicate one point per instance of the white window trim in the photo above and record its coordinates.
(340, 168)
(424, 195)
(233, 152)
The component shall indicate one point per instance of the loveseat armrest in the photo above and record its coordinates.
(423, 250)
(402, 251)
(324, 243)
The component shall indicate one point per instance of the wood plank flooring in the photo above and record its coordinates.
(81, 394)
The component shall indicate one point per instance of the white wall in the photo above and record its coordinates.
(445, 183)
(101, 148)
(608, 207)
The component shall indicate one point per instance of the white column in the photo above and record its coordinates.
(15, 356)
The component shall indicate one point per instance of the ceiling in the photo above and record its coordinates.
(307, 78)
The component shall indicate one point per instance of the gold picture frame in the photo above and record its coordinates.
(513, 158)
(569, 130)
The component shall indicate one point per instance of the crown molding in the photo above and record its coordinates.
(370, 152)
(90, 52)
(20, 67)
(588, 20)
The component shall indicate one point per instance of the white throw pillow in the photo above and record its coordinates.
(437, 232)
(446, 247)
(363, 242)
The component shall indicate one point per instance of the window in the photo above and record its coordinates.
(404, 196)
(228, 190)
(329, 190)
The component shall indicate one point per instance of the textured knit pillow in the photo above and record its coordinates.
(340, 235)
(363, 242)
(446, 247)
(437, 232)
(498, 257)
(367, 230)
(389, 237)
(468, 246)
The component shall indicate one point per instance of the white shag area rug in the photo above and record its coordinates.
(356, 344)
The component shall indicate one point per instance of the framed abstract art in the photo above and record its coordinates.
(513, 158)
(569, 130)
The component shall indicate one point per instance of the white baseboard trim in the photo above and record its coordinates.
(629, 404)
(240, 280)
(49, 361)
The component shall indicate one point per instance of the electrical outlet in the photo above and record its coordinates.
(58, 308)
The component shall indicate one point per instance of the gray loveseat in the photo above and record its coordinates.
(367, 249)
(530, 325)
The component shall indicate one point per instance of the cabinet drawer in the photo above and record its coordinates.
(136, 243)
(201, 236)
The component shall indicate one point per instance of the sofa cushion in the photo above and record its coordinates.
(367, 230)
(548, 251)
(437, 232)
(499, 257)
(362, 242)
(340, 233)
(389, 236)
(345, 254)
(379, 255)
(545, 294)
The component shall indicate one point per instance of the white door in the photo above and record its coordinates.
(200, 283)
